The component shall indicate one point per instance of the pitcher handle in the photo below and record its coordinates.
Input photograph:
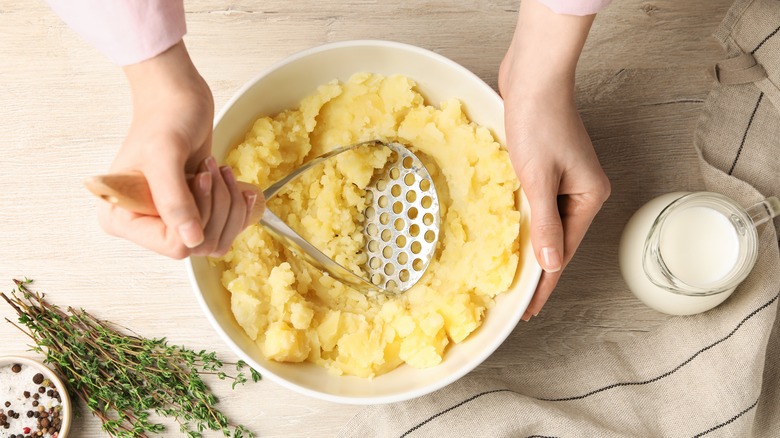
(764, 211)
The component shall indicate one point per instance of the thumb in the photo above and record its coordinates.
(175, 202)
(546, 227)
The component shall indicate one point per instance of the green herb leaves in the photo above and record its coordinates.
(122, 378)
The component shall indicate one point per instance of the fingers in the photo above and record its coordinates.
(237, 214)
(220, 208)
(547, 239)
(544, 289)
(229, 207)
(578, 212)
(251, 200)
(547, 236)
(219, 204)
(174, 200)
(201, 188)
(178, 228)
(546, 227)
(147, 231)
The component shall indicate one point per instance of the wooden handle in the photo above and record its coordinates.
(130, 190)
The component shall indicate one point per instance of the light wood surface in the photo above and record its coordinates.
(64, 110)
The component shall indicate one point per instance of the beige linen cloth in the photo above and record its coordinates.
(713, 374)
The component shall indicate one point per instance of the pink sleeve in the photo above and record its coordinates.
(576, 7)
(126, 31)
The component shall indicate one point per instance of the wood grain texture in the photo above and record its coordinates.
(64, 110)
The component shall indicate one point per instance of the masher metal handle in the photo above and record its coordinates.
(311, 253)
(293, 240)
(274, 188)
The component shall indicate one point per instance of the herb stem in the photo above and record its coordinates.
(122, 377)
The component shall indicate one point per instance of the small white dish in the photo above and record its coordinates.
(66, 414)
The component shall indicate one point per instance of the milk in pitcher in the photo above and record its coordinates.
(699, 245)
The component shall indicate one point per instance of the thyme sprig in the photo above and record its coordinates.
(123, 378)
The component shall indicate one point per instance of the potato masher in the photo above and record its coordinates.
(401, 222)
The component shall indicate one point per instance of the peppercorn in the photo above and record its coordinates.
(30, 414)
(38, 378)
(26, 394)
(7, 404)
(35, 403)
(41, 389)
(16, 368)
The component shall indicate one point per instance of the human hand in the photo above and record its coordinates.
(170, 137)
(547, 141)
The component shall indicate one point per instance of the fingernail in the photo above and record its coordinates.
(191, 234)
(551, 259)
(227, 173)
(526, 316)
(250, 199)
(204, 182)
(211, 164)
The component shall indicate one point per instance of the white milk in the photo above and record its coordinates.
(699, 245)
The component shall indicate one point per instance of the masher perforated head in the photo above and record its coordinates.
(402, 222)
(401, 225)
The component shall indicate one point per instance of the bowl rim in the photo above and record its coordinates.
(478, 359)
(66, 403)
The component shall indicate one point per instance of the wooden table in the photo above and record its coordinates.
(64, 110)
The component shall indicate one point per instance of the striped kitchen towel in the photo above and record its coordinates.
(713, 374)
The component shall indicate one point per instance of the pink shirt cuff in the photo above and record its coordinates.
(576, 7)
(125, 31)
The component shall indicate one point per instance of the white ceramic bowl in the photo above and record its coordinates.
(281, 87)
(66, 415)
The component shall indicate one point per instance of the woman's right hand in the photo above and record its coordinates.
(170, 138)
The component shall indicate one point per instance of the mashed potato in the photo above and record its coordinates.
(296, 313)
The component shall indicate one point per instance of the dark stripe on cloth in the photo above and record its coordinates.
(673, 370)
(727, 422)
(616, 385)
(744, 136)
(473, 397)
(774, 32)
